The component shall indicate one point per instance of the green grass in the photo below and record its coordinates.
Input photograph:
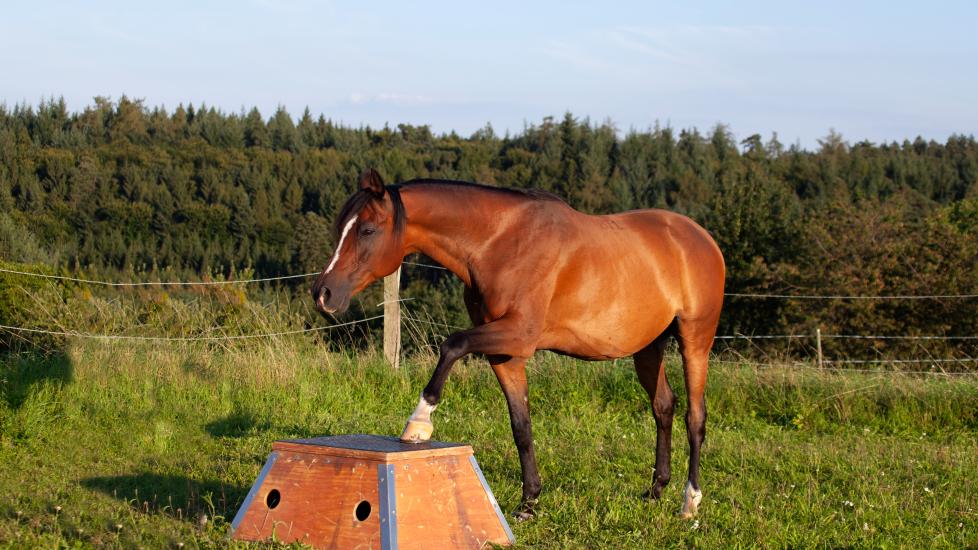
(122, 445)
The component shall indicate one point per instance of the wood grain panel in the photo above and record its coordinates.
(319, 496)
(439, 500)
(441, 504)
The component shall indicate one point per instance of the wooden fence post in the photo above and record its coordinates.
(392, 319)
(818, 344)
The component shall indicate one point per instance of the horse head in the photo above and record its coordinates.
(370, 244)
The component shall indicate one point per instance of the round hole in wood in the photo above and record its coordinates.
(273, 498)
(363, 510)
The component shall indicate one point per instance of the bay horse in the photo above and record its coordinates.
(540, 275)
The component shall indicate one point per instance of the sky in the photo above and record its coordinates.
(877, 71)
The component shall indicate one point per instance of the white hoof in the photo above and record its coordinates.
(417, 431)
(691, 501)
(419, 428)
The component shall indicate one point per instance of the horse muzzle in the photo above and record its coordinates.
(331, 302)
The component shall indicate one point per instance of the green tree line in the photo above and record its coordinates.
(124, 188)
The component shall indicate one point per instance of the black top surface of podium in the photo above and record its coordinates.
(373, 443)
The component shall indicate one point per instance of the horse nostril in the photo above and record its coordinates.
(324, 295)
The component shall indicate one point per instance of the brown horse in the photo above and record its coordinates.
(540, 275)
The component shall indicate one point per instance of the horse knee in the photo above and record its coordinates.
(451, 350)
(696, 422)
(663, 408)
(453, 347)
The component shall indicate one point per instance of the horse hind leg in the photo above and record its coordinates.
(695, 340)
(652, 375)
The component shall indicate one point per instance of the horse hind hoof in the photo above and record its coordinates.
(655, 493)
(417, 431)
(691, 501)
(525, 513)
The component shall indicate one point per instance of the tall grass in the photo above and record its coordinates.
(125, 444)
(132, 443)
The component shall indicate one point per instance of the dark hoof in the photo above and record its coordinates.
(525, 512)
(655, 493)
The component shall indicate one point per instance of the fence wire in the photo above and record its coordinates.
(185, 338)
(963, 360)
(156, 283)
(431, 266)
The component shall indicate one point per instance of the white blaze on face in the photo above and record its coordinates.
(423, 412)
(339, 247)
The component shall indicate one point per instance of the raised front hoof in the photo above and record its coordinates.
(417, 431)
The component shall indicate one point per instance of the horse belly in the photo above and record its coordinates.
(616, 330)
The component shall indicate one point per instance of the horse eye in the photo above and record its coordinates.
(367, 231)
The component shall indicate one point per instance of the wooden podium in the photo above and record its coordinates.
(369, 491)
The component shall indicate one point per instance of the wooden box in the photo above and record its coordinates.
(368, 491)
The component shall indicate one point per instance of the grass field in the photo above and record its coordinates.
(124, 445)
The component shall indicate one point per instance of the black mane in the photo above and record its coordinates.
(532, 193)
(362, 197)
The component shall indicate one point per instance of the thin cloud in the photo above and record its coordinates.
(394, 98)
(682, 36)
(627, 39)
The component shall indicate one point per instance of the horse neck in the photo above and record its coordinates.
(446, 223)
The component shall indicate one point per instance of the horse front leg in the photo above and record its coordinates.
(511, 373)
(506, 336)
(419, 426)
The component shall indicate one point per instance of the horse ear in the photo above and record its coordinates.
(372, 182)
